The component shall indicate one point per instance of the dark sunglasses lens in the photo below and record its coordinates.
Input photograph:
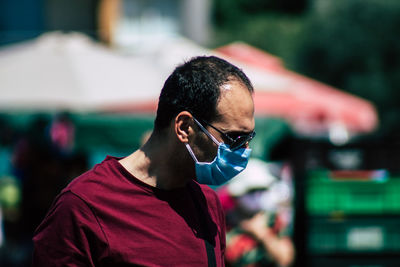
(242, 140)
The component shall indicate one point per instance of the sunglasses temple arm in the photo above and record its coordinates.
(207, 132)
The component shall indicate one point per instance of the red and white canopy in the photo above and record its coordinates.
(310, 106)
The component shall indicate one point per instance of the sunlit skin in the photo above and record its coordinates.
(164, 162)
(235, 116)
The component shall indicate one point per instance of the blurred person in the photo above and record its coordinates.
(37, 169)
(62, 133)
(152, 208)
(257, 206)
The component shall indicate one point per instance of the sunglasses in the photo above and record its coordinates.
(234, 143)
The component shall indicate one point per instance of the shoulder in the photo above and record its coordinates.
(207, 191)
(67, 208)
(69, 234)
(97, 181)
(67, 214)
(211, 198)
(210, 194)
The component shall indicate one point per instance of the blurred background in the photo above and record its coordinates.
(80, 80)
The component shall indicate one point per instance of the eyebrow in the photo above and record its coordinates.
(228, 132)
(235, 132)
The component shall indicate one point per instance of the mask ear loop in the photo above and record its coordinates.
(191, 152)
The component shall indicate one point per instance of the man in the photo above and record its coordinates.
(148, 209)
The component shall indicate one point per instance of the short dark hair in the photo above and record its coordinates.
(195, 87)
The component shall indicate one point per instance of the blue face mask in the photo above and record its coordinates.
(226, 165)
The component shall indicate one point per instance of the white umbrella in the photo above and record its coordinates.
(71, 71)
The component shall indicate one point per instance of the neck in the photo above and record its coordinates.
(154, 163)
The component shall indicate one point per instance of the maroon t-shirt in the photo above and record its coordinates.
(107, 217)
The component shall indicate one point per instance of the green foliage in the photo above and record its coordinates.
(274, 33)
(354, 45)
(233, 12)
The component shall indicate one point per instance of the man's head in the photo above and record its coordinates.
(205, 106)
(195, 86)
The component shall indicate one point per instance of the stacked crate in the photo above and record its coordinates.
(353, 218)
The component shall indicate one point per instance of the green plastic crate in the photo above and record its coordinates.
(325, 195)
(373, 235)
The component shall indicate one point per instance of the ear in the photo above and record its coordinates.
(183, 126)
